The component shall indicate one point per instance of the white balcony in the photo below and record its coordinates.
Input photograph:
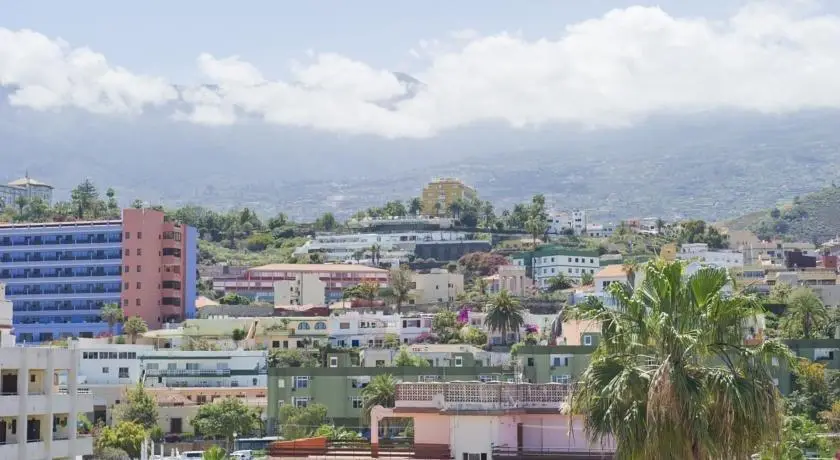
(62, 279)
(64, 296)
(466, 396)
(87, 262)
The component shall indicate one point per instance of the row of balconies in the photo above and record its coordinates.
(65, 240)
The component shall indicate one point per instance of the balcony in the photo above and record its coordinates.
(465, 396)
(60, 244)
(187, 372)
(49, 278)
(92, 294)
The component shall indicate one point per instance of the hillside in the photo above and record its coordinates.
(813, 217)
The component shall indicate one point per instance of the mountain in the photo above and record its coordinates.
(812, 217)
(708, 165)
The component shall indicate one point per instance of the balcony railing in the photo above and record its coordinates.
(59, 242)
(482, 396)
(187, 372)
(59, 259)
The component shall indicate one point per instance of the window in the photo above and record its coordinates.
(137, 302)
(138, 285)
(126, 252)
(139, 252)
(333, 361)
(380, 363)
(139, 235)
(152, 366)
(587, 340)
(561, 361)
(320, 325)
(125, 302)
(127, 269)
(459, 361)
(301, 382)
(357, 402)
(105, 370)
(428, 378)
(301, 402)
(303, 326)
(138, 269)
(561, 379)
(128, 235)
(125, 286)
(123, 372)
(344, 325)
(275, 344)
(530, 362)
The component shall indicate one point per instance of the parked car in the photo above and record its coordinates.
(242, 455)
(192, 455)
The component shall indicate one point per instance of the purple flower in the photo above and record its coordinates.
(531, 329)
(464, 315)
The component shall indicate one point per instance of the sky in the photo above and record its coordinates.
(328, 65)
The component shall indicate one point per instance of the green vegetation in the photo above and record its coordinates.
(299, 422)
(112, 314)
(225, 418)
(139, 407)
(406, 359)
(134, 327)
(671, 379)
(125, 436)
(504, 314)
(381, 391)
(813, 218)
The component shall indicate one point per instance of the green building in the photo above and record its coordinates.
(555, 363)
(339, 385)
(546, 262)
(823, 351)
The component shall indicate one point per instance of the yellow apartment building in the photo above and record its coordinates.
(440, 193)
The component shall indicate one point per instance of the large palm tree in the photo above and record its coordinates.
(805, 312)
(381, 391)
(112, 314)
(504, 314)
(135, 326)
(671, 377)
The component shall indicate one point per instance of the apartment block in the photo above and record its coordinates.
(338, 386)
(440, 193)
(60, 275)
(258, 282)
(304, 289)
(550, 261)
(437, 286)
(37, 419)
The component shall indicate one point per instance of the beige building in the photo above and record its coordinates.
(440, 193)
(305, 289)
(436, 287)
(38, 420)
(178, 406)
(510, 278)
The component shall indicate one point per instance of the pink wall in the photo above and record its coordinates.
(145, 267)
(431, 429)
(550, 431)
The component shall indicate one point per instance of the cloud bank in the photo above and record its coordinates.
(609, 71)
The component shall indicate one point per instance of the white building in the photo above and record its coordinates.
(37, 420)
(600, 230)
(414, 327)
(552, 261)
(719, 258)
(305, 289)
(564, 221)
(220, 369)
(355, 329)
(510, 278)
(436, 287)
(356, 247)
(437, 355)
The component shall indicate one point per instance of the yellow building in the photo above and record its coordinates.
(440, 193)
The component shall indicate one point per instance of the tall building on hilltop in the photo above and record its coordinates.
(25, 187)
(440, 193)
(37, 419)
(59, 275)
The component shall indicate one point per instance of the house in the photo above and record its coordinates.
(437, 286)
(720, 258)
(549, 261)
(475, 420)
(510, 278)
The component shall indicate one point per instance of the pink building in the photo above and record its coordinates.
(482, 421)
(258, 282)
(159, 267)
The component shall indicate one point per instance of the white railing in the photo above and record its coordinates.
(477, 395)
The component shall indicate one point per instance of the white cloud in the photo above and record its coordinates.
(51, 75)
(609, 71)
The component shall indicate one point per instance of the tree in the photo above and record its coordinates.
(381, 391)
(337, 433)
(587, 279)
(559, 282)
(112, 314)
(415, 206)
(406, 359)
(326, 222)
(214, 453)
(805, 313)
(135, 326)
(139, 407)
(799, 436)
(631, 267)
(474, 336)
(126, 436)
(366, 290)
(113, 206)
(232, 298)
(671, 377)
(84, 197)
(401, 285)
(445, 325)
(292, 357)
(301, 422)
(780, 292)
(504, 314)
(259, 242)
(223, 419)
(238, 335)
(391, 341)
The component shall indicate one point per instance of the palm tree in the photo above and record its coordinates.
(805, 311)
(381, 391)
(415, 206)
(135, 326)
(631, 267)
(214, 453)
(112, 314)
(671, 377)
(401, 285)
(375, 254)
(504, 313)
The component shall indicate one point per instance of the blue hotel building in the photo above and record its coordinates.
(60, 275)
